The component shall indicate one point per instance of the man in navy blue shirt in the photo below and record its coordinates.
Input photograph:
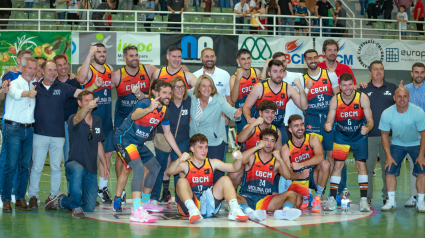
(49, 129)
(85, 140)
(7, 78)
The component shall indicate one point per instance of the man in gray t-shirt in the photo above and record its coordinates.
(176, 7)
(340, 22)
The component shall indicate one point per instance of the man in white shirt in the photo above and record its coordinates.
(241, 8)
(19, 129)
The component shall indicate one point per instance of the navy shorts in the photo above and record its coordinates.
(399, 153)
(118, 121)
(129, 152)
(341, 150)
(314, 124)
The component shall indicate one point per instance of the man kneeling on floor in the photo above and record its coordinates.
(304, 152)
(195, 188)
(85, 145)
(262, 163)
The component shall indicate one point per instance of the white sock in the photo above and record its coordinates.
(391, 196)
(103, 182)
(420, 197)
(190, 204)
(233, 204)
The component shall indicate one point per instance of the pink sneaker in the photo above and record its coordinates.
(152, 207)
(141, 216)
(304, 205)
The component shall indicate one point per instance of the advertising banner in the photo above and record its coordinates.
(263, 48)
(225, 48)
(148, 46)
(43, 44)
(394, 54)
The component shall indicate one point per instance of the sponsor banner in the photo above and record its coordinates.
(394, 54)
(75, 43)
(192, 46)
(43, 44)
(263, 48)
(148, 46)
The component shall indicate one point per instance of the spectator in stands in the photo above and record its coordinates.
(402, 19)
(419, 16)
(340, 23)
(5, 14)
(208, 4)
(254, 26)
(29, 4)
(60, 15)
(127, 5)
(241, 8)
(272, 8)
(373, 11)
(150, 6)
(87, 4)
(321, 9)
(286, 10)
(301, 10)
(254, 3)
(73, 13)
(176, 7)
(99, 15)
(387, 8)
(363, 6)
(406, 3)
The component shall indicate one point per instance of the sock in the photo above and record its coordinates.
(190, 204)
(146, 198)
(103, 182)
(165, 185)
(320, 190)
(335, 180)
(288, 205)
(246, 209)
(420, 197)
(391, 196)
(137, 202)
(233, 204)
(363, 183)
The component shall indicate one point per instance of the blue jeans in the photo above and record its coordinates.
(363, 6)
(162, 158)
(18, 149)
(2, 164)
(325, 23)
(66, 149)
(239, 20)
(29, 5)
(163, 4)
(83, 186)
(287, 21)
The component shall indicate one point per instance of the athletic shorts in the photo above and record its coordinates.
(302, 22)
(399, 153)
(207, 204)
(314, 124)
(302, 186)
(130, 152)
(108, 143)
(258, 201)
(340, 151)
(118, 121)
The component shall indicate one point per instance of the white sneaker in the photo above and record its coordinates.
(411, 202)
(258, 215)
(194, 215)
(390, 205)
(13, 199)
(123, 197)
(330, 205)
(237, 214)
(364, 205)
(420, 206)
(287, 214)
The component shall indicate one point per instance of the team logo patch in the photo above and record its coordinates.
(356, 106)
(306, 148)
(282, 95)
(325, 81)
(309, 127)
(109, 75)
(207, 171)
(271, 167)
(142, 77)
(253, 80)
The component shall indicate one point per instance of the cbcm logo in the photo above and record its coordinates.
(291, 47)
(341, 58)
(192, 48)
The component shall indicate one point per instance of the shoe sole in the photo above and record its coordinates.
(118, 210)
(316, 210)
(147, 221)
(242, 218)
(421, 211)
(154, 211)
(391, 209)
(195, 219)
(409, 205)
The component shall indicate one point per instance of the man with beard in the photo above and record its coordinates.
(124, 80)
(262, 163)
(330, 50)
(274, 89)
(175, 68)
(49, 129)
(351, 110)
(129, 142)
(241, 84)
(86, 76)
(305, 152)
(417, 91)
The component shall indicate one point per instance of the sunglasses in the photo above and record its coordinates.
(91, 134)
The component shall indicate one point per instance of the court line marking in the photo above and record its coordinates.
(274, 229)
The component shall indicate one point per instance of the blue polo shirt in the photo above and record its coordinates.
(183, 131)
(49, 108)
(417, 95)
(71, 104)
